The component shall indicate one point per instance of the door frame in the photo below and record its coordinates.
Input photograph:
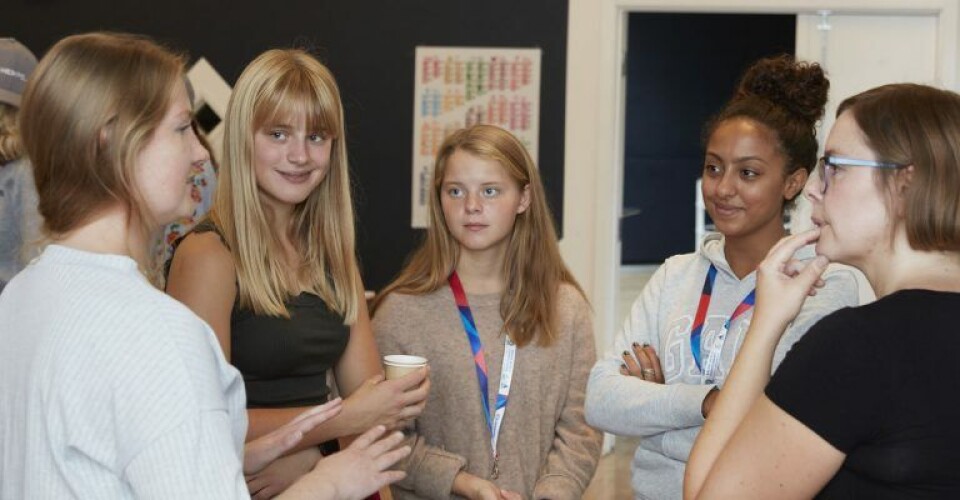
(595, 102)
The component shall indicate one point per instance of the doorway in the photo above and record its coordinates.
(681, 68)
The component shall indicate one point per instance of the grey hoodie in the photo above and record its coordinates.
(667, 416)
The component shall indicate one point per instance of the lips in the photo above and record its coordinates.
(295, 177)
(722, 210)
(474, 227)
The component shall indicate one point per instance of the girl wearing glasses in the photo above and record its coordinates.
(863, 406)
(672, 356)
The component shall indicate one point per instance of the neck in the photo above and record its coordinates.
(903, 268)
(481, 272)
(279, 216)
(109, 232)
(745, 253)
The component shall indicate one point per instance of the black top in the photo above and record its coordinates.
(881, 383)
(284, 362)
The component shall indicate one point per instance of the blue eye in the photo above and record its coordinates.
(491, 191)
(317, 138)
(278, 134)
(455, 192)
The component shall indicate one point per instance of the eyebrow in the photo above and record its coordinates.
(738, 160)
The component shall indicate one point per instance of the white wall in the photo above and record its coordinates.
(594, 118)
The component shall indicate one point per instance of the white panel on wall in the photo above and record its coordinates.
(860, 52)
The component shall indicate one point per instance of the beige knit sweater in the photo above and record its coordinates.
(546, 448)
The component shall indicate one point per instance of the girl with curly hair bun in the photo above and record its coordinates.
(863, 406)
(674, 351)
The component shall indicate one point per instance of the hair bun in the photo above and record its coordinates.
(799, 87)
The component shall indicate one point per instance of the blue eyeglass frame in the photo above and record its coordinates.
(839, 161)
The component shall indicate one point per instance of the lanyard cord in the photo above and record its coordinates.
(506, 372)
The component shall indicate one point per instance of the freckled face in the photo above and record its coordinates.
(164, 166)
(744, 182)
(480, 202)
(289, 160)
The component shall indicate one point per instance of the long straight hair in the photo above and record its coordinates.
(281, 84)
(533, 268)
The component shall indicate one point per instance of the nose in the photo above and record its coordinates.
(200, 153)
(726, 186)
(472, 203)
(814, 190)
(297, 152)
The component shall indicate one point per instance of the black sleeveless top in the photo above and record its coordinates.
(284, 362)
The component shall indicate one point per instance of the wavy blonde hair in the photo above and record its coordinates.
(88, 110)
(280, 84)
(533, 267)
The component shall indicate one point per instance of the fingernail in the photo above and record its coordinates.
(636, 344)
(623, 365)
(626, 353)
(646, 345)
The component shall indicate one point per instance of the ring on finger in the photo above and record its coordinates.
(648, 373)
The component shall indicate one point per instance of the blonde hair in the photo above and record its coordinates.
(90, 107)
(533, 268)
(280, 84)
(10, 146)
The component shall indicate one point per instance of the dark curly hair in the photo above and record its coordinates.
(786, 96)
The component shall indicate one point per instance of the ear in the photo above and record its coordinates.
(795, 183)
(524, 199)
(904, 179)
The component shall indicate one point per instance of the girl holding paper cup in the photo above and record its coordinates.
(506, 330)
(273, 268)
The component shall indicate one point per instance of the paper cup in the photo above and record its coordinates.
(398, 365)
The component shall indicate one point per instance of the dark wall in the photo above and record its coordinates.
(370, 46)
(681, 69)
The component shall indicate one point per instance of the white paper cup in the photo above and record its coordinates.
(398, 365)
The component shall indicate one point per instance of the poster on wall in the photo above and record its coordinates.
(457, 87)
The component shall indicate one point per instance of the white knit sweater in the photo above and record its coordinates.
(111, 389)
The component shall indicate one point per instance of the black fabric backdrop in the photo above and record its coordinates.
(370, 47)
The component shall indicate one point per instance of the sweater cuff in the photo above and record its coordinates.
(435, 474)
(687, 403)
(557, 487)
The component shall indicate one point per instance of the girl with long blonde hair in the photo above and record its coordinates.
(489, 302)
(108, 387)
(274, 270)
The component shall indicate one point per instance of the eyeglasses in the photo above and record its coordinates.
(827, 167)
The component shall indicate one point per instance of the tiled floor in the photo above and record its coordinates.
(612, 480)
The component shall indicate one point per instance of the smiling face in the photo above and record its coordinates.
(744, 181)
(164, 166)
(853, 215)
(289, 161)
(480, 203)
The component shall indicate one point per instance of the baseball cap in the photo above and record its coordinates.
(16, 64)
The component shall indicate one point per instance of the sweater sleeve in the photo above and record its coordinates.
(627, 405)
(572, 459)
(173, 418)
(430, 470)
